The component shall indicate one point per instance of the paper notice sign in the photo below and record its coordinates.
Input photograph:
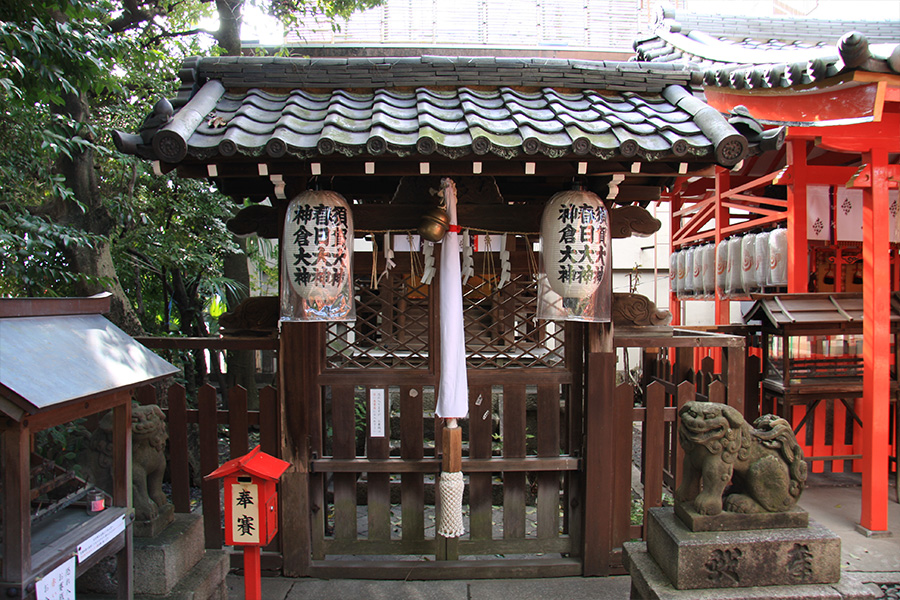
(58, 584)
(100, 539)
(376, 413)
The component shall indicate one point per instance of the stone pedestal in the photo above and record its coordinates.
(153, 527)
(786, 562)
(173, 565)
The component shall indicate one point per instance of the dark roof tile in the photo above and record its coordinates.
(753, 52)
(617, 110)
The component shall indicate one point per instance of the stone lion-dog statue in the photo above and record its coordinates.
(148, 443)
(763, 463)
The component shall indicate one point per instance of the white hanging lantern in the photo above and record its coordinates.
(689, 272)
(317, 254)
(709, 270)
(778, 248)
(762, 258)
(575, 243)
(722, 268)
(698, 271)
(734, 286)
(680, 273)
(673, 272)
(748, 263)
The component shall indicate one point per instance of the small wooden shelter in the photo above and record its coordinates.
(835, 85)
(61, 360)
(812, 358)
(511, 132)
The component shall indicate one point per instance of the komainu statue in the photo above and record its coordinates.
(148, 443)
(763, 464)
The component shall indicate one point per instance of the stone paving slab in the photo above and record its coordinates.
(569, 588)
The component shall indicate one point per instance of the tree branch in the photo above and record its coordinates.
(173, 34)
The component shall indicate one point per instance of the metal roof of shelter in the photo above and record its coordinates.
(50, 360)
(742, 52)
(823, 311)
(239, 108)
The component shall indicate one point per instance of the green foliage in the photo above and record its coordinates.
(71, 71)
(293, 12)
(63, 443)
(50, 49)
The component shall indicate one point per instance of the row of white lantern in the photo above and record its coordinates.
(738, 266)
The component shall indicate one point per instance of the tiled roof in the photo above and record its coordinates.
(769, 52)
(434, 105)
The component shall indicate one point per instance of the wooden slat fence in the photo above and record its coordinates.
(220, 436)
(514, 467)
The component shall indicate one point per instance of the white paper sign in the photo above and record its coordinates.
(245, 513)
(818, 212)
(58, 584)
(376, 413)
(849, 209)
(100, 539)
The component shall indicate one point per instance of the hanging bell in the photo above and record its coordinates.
(434, 225)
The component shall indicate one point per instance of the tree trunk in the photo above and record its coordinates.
(241, 363)
(88, 213)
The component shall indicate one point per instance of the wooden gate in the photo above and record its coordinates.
(372, 464)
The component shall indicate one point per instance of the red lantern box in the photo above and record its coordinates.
(251, 501)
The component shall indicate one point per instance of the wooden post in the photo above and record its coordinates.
(252, 573)
(875, 407)
(797, 255)
(598, 449)
(299, 362)
(15, 450)
(122, 493)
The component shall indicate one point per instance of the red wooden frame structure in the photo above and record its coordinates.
(856, 155)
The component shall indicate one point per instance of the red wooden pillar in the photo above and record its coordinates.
(797, 257)
(723, 218)
(675, 205)
(875, 408)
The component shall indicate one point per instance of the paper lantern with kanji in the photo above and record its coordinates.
(575, 243)
(735, 284)
(748, 263)
(762, 258)
(688, 271)
(778, 248)
(722, 267)
(317, 252)
(709, 270)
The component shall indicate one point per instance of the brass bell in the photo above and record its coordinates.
(434, 225)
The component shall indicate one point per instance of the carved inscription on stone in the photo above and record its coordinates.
(800, 562)
(723, 564)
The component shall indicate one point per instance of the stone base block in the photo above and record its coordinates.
(732, 559)
(727, 521)
(162, 561)
(206, 581)
(154, 527)
(648, 582)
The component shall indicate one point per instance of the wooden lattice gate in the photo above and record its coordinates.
(371, 497)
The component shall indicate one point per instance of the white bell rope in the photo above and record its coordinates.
(453, 393)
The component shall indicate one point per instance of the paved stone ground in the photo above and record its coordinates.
(833, 501)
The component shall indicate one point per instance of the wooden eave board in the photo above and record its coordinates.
(51, 360)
